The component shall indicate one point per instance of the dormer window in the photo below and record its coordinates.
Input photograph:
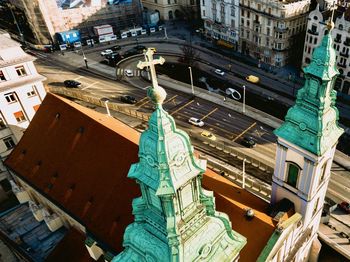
(293, 171)
(340, 27)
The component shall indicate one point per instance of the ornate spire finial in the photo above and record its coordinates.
(156, 93)
(330, 24)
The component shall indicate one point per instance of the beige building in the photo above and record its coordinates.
(170, 9)
(221, 20)
(46, 18)
(316, 29)
(269, 26)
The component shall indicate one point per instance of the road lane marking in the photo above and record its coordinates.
(90, 85)
(143, 103)
(211, 112)
(177, 110)
(77, 78)
(245, 131)
(170, 99)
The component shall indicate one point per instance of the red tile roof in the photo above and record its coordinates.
(76, 157)
(79, 159)
(71, 249)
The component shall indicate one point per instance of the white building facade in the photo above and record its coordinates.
(21, 93)
(21, 87)
(269, 26)
(316, 29)
(221, 20)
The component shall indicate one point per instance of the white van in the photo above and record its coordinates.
(143, 31)
(77, 44)
(152, 29)
(133, 33)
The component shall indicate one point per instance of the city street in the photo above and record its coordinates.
(228, 125)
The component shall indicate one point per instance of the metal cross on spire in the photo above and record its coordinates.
(151, 63)
(330, 24)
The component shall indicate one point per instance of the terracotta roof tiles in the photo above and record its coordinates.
(79, 159)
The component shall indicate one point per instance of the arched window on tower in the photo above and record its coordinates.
(293, 171)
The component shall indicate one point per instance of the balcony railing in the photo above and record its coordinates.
(278, 29)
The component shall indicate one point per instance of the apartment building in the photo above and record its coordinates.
(47, 17)
(316, 29)
(221, 20)
(21, 93)
(268, 28)
(171, 9)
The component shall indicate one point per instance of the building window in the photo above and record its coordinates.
(31, 93)
(269, 21)
(11, 97)
(315, 40)
(9, 143)
(323, 172)
(242, 12)
(20, 71)
(248, 14)
(203, 3)
(233, 25)
(2, 76)
(315, 207)
(19, 116)
(168, 2)
(268, 31)
(293, 173)
(203, 12)
(259, 7)
(269, 10)
(233, 11)
(2, 123)
(192, 2)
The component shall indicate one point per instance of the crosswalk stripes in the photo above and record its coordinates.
(121, 72)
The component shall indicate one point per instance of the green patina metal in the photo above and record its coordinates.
(175, 219)
(312, 123)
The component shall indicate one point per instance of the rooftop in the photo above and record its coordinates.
(32, 237)
(80, 161)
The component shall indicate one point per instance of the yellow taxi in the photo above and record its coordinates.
(252, 79)
(209, 135)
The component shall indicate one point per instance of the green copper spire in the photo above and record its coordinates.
(175, 219)
(312, 123)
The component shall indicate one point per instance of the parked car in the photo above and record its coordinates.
(140, 47)
(248, 142)
(252, 79)
(106, 52)
(128, 99)
(71, 84)
(196, 122)
(345, 206)
(209, 135)
(116, 47)
(128, 72)
(219, 72)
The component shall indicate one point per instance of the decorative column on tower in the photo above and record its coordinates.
(307, 141)
(175, 218)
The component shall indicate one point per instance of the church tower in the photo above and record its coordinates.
(175, 218)
(307, 140)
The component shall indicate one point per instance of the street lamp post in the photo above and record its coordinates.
(165, 33)
(243, 173)
(84, 57)
(107, 108)
(243, 99)
(190, 68)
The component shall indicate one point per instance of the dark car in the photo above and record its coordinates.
(140, 47)
(128, 99)
(248, 142)
(345, 206)
(71, 84)
(116, 47)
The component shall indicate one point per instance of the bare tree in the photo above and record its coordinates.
(190, 54)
